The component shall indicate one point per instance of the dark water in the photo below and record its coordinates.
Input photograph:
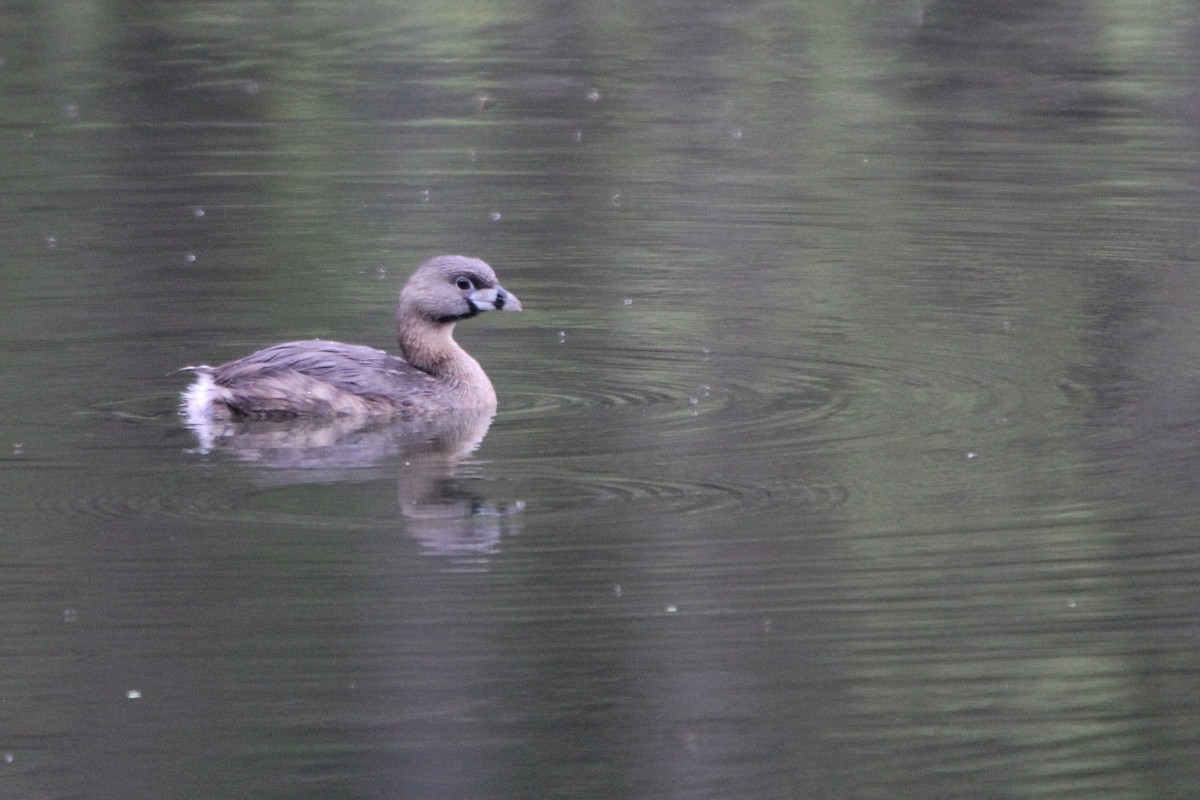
(847, 446)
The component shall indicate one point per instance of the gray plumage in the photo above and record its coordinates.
(319, 378)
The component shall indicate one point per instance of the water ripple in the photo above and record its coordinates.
(673, 430)
(758, 403)
(561, 490)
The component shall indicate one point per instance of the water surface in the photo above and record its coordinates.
(846, 446)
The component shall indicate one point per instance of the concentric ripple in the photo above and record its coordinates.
(719, 402)
(600, 490)
(662, 430)
(374, 499)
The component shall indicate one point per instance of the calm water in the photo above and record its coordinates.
(847, 446)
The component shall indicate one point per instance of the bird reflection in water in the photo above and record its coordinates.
(441, 508)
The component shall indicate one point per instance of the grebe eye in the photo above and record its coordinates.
(464, 283)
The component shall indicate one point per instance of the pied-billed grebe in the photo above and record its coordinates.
(317, 378)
